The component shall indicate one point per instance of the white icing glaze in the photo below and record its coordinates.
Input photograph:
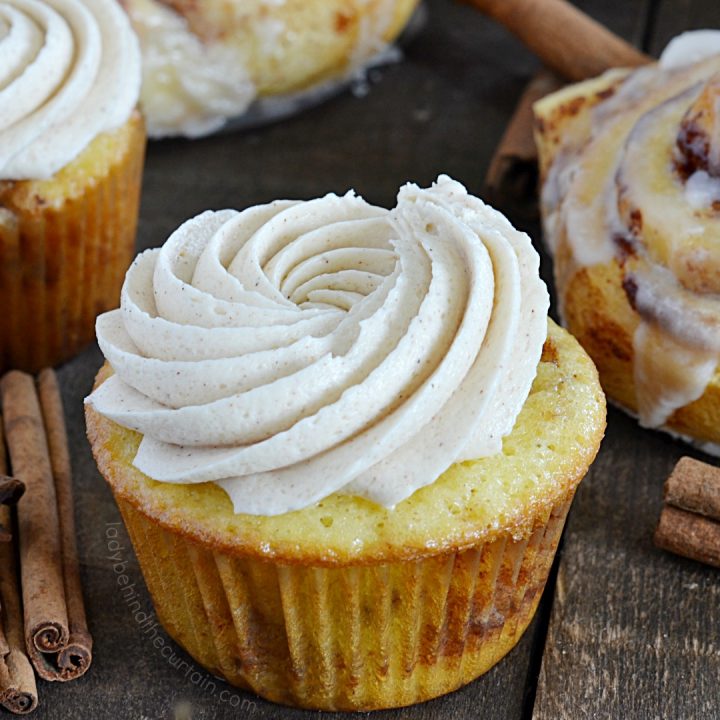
(677, 374)
(702, 190)
(594, 186)
(298, 349)
(706, 447)
(691, 318)
(188, 87)
(192, 86)
(69, 70)
(689, 48)
(373, 26)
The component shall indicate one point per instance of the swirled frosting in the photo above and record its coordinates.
(69, 70)
(297, 349)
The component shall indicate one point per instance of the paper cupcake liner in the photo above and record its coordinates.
(62, 262)
(357, 637)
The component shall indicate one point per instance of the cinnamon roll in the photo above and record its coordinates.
(630, 165)
(204, 63)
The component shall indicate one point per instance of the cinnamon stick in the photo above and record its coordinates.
(689, 534)
(18, 690)
(694, 486)
(513, 168)
(690, 519)
(5, 536)
(43, 592)
(74, 659)
(564, 38)
(4, 646)
(11, 490)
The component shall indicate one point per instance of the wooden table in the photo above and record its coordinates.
(624, 630)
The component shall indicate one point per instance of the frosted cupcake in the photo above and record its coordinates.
(71, 154)
(344, 441)
(631, 207)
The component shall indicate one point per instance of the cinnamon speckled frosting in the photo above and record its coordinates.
(297, 349)
(69, 70)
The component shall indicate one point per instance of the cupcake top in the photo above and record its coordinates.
(69, 70)
(298, 349)
(635, 178)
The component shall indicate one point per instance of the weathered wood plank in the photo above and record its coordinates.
(675, 16)
(628, 19)
(442, 110)
(633, 630)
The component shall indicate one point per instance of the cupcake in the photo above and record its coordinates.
(206, 62)
(344, 441)
(630, 163)
(71, 154)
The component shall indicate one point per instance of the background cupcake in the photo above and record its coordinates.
(343, 442)
(71, 154)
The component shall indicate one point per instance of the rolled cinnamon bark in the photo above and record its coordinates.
(513, 168)
(6, 559)
(75, 657)
(688, 534)
(4, 646)
(43, 592)
(18, 690)
(694, 486)
(11, 489)
(564, 38)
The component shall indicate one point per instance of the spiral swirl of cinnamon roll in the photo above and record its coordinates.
(297, 349)
(634, 179)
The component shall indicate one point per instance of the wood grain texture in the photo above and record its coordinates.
(442, 110)
(631, 633)
(633, 629)
(676, 16)
(570, 43)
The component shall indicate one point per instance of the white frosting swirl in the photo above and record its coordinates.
(297, 349)
(69, 70)
(689, 48)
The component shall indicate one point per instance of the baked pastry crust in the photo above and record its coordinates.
(65, 244)
(550, 449)
(207, 62)
(598, 313)
(316, 39)
(593, 297)
(348, 605)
